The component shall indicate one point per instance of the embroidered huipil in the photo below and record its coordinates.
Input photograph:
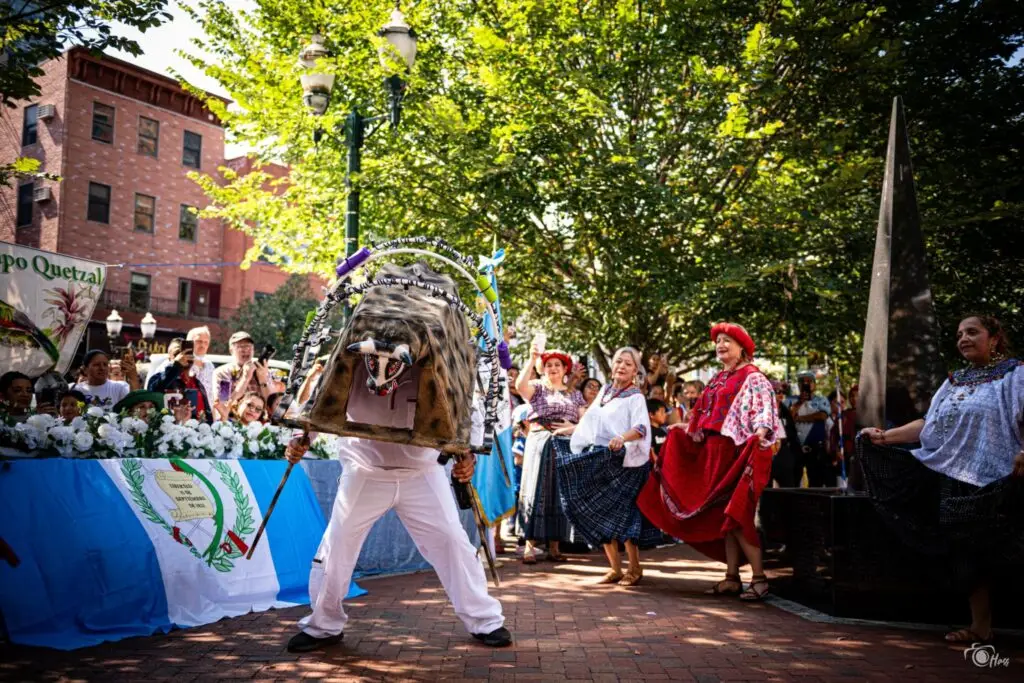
(750, 408)
(972, 431)
(601, 423)
(548, 405)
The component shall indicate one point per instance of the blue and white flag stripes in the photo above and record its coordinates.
(125, 547)
(493, 477)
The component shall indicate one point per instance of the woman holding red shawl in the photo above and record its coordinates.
(708, 478)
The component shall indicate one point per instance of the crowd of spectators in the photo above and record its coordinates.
(186, 385)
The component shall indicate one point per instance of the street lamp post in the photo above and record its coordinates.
(317, 86)
(148, 327)
(114, 323)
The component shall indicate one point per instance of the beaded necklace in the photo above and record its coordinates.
(609, 397)
(973, 376)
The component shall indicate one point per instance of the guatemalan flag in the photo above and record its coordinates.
(124, 547)
(494, 475)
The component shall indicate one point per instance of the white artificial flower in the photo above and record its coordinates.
(79, 423)
(192, 423)
(167, 419)
(162, 448)
(83, 441)
(62, 435)
(94, 411)
(29, 435)
(254, 446)
(41, 422)
(205, 429)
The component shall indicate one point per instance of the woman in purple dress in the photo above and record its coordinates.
(554, 409)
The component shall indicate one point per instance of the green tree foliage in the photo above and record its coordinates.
(34, 32)
(653, 166)
(277, 319)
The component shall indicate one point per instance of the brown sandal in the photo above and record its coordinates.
(753, 594)
(717, 589)
(632, 577)
(611, 577)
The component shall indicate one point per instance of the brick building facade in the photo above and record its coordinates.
(123, 140)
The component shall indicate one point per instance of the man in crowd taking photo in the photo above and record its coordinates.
(177, 376)
(243, 374)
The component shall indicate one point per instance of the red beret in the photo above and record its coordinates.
(560, 355)
(736, 332)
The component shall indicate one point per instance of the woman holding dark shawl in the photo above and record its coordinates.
(707, 479)
(554, 411)
(960, 496)
(603, 468)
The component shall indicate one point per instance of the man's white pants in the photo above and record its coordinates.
(424, 502)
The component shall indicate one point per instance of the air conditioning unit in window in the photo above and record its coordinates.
(47, 111)
(42, 194)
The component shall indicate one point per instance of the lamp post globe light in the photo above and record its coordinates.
(114, 324)
(148, 326)
(316, 96)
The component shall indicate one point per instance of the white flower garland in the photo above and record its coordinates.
(105, 435)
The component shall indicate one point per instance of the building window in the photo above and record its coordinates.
(25, 204)
(198, 299)
(102, 122)
(30, 126)
(138, 295)
(193, 151)
(188, 223)
(184, 295)
(149, 136)
(99, 202)
(259, 296)
(145, 210)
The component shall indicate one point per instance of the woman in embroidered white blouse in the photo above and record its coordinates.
(971, 460)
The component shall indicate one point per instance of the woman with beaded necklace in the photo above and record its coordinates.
(554, 411)
(603, 468)
(959, 498)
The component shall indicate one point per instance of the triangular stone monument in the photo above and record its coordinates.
(901, 366)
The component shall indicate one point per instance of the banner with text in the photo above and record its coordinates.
(46, 301)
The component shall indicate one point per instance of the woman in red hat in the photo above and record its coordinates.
(708, 478)
(554, 411)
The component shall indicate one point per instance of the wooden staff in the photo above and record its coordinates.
(273, 501)
(481, 527)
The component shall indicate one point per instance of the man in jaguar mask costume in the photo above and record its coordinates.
(380, 475)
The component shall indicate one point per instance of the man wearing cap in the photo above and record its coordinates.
(243, 374)
(810, 412)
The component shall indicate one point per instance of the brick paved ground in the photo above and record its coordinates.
(567, 629)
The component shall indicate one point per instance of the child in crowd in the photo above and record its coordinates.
(71, 405)
(658, 412)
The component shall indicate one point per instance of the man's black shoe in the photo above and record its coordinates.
(303, 642)
(499, 637)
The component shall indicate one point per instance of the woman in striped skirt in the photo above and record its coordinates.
(605, 465)
(554, 411)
